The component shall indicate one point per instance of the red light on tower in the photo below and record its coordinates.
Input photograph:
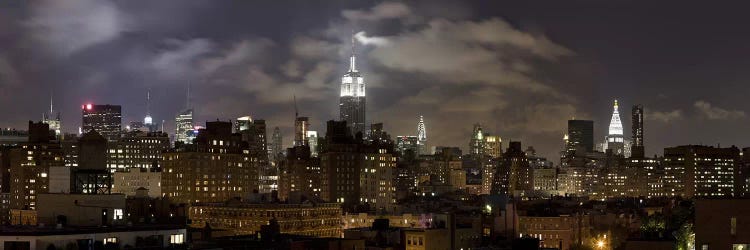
(88, 106)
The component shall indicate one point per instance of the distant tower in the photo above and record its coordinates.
(184, 129)
(52, 118)
(301, 126)
(148, 121)
(615, 139)
(352, 102)
(580, 136)
(104, 119)
(476, 144)
(421, 137)
(637, 150)
(275, 148)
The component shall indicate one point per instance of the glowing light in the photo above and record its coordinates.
(600, 244)
(615, 125)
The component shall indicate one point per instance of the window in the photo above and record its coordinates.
(177, 239)
(110, 240)
(704, 247)
(118, 214)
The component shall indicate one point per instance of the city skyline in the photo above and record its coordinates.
(578, 70)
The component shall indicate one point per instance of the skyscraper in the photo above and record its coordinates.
(312, 141)
(422, 137)
(275, 147)
(637, 149)
(52, 118)
(184, 127)
(148, 121)
(476, 144)
(580, 136)
(301, 126)
(352, 102)
(105, 119)
(615, 139)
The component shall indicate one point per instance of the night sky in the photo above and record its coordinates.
(520, 68)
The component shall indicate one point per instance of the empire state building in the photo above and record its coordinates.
(352, 103)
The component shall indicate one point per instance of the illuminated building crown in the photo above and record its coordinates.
(615, 126)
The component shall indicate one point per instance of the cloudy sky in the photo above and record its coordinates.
(519, 69)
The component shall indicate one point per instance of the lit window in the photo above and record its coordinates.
(110, 240)
(118, 214)
(177, 239)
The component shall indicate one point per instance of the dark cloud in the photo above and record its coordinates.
(518, 69)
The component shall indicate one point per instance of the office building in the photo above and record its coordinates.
(184, 127)
(406, 144)
(104, 119)
(312, 142)
(301, 126)
(580, 136)
(637, 150)
(700, 171)
(275, 147)
(29, 167)
(137, 149)
(52, 118)
(476, 144)
(217, 168)
(615, 139)
(299, 173)
(352, 101)
(514, 175)
(421, 137)
(493, 146)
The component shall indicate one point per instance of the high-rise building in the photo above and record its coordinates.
(148, 121)
(493, 146)
(312, 141)
(217, 168)
(254, 134)
(299, 173)
(615, 139)
(339, 161)
(514, 174)
(406, 144)
(242, 123)
(184, 127)
(421, 137)
(352, 102)
(52, 118)
(105, 119)
(637, 150)
(580, 136)
(700, 171)
(29, 167)
(476, 144)
(275, 147)
(301, 126)
(137, 149)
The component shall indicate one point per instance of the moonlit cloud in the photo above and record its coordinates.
(711, 112)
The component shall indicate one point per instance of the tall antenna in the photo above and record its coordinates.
(148, 101)
(296, 114)
(50, 101)
(187, 100)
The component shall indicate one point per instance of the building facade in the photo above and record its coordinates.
(105, 119)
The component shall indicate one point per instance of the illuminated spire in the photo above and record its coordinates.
(353, 58)
(148, 120)
(615, 125)
(421, 130)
